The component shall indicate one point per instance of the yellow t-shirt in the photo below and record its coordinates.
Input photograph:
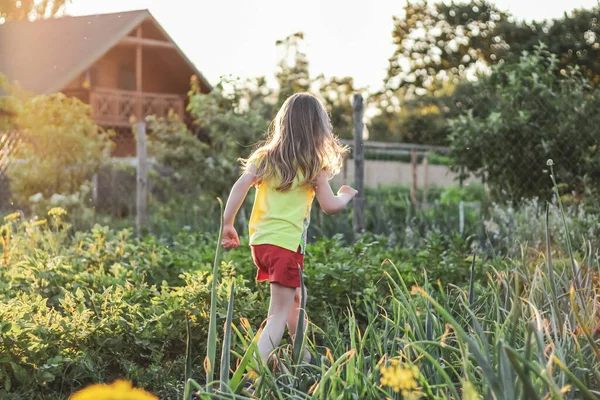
(281, 218)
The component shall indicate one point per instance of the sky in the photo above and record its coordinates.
(342, 37)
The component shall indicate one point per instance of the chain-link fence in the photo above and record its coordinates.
(8, 142)
(401, 180)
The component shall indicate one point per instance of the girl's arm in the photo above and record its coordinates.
(234, 202)
(330, 203)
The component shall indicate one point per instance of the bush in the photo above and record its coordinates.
(100, 305)
(223, 126)
(523, 116)
(61, 147)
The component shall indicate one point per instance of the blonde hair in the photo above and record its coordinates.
(300, 141)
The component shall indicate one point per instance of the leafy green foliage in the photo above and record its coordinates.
(178, 150)
(60, 148)
(535, 116)
(437, 42)
(206, 161)
(6, 107)
(440, 49)
(420, 120)
(292, 74)
(336, 94)
(101, 304)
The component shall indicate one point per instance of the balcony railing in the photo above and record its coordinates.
(112, 107)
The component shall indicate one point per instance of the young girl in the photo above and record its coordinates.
(299, 156)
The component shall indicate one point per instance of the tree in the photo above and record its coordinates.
(575, 39)
(228, 129)
(385, 125)
(442, 46)
(440, 42)
(292, 73)
(437, 43)
(293, 77)
(255, 94)
(18, 10)
(336, 94)
(414, 119)
(538, 113)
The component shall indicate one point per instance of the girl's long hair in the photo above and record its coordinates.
(301, 143)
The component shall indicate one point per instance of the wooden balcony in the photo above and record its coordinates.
(114, 108)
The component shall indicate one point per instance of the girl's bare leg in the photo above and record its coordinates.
(282, 301)
(292, 321)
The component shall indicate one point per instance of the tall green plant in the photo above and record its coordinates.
(226, 351)
(212, 327)
(299, 335)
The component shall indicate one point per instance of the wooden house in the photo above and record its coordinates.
(122, 64)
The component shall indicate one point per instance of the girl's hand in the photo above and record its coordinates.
(348, 191)
(230, 238)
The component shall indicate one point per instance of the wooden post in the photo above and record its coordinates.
(113, 191)
(425, 177)
(138, 75)
(359, 164)
(461, 217)
(142, 177)
(413, 187)
(95, 189)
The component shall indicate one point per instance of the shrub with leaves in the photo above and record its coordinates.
(530, 115)
(61, 147)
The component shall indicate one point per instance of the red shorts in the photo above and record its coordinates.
(277, 264)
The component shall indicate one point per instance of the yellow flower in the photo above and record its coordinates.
(245, 323)
(118, 390)
(40, 222)
(469, 391)
(252, 375)
(12, 217)
(57, 211)
(400, 377)
(446, 335)
(329, 356)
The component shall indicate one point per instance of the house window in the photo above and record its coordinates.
(126, 77)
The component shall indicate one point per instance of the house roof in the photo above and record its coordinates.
(45, 55)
